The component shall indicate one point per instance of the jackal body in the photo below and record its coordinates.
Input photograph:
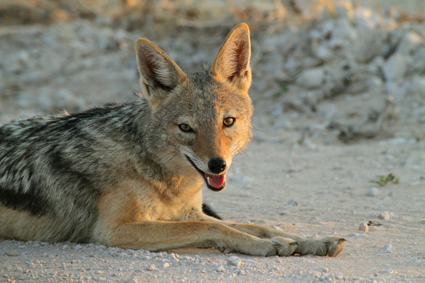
(131, 175)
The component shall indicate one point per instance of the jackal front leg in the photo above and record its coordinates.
(326, 246)
(166, 235)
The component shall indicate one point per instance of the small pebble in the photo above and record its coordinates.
(363, 226)
(325, 270)
(388, 248)
(164, 265)
(384, 215)
(12, 253)
(77, 247)
(338, 276)
(234, 261)
(221, 269)
(292, 202)
(373, 192)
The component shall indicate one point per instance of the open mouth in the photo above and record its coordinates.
(215, 183)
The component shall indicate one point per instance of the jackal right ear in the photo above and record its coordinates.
(159, 73)
(231, 63)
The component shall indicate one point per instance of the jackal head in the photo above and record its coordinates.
(200, 121)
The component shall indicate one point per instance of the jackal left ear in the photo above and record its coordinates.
(159, 73)
(231, 63)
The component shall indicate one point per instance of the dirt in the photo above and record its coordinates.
(299, 174)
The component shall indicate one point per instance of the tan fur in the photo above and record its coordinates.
(158, 205)
(21, 225)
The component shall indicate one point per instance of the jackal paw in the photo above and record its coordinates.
(284, 246)
(269, 247)
(276, 246)
(327, 246)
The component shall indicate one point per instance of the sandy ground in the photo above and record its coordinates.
(296, 175)
(310, 191)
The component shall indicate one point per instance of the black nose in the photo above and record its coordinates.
(217, 165)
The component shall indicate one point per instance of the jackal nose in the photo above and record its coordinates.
(217, 165)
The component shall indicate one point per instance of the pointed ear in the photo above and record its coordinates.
(159, 74)
(231, 63)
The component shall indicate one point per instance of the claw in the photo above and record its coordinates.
(341, 240)
(221, 249)
(293, 244)
(277, 245)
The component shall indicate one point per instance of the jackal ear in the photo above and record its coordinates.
(231, 63)
(159, 73)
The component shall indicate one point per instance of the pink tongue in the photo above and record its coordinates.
(216, 181)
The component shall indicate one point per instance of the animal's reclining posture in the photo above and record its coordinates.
(131, 175)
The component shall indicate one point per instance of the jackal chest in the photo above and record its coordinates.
(136, 200)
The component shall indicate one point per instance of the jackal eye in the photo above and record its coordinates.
(229, 121)
(185, 128)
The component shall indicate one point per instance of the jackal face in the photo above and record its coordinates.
(200, 121)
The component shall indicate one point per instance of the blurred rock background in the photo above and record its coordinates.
(323, 71)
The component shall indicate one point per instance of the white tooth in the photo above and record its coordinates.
(208, 180)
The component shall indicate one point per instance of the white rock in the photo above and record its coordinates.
(338, 276)
(292, 202)
(365, 18)
(363, 226)
(385, 215)
(312, 78)
(395, 68)
(388, 248)
(409, 43)
(164, 265)
(343, 30)
(373, 192)
(221, 269)
(77, 247)
(374, 82)
(234, 261)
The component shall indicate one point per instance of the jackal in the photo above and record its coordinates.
(131, 175)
